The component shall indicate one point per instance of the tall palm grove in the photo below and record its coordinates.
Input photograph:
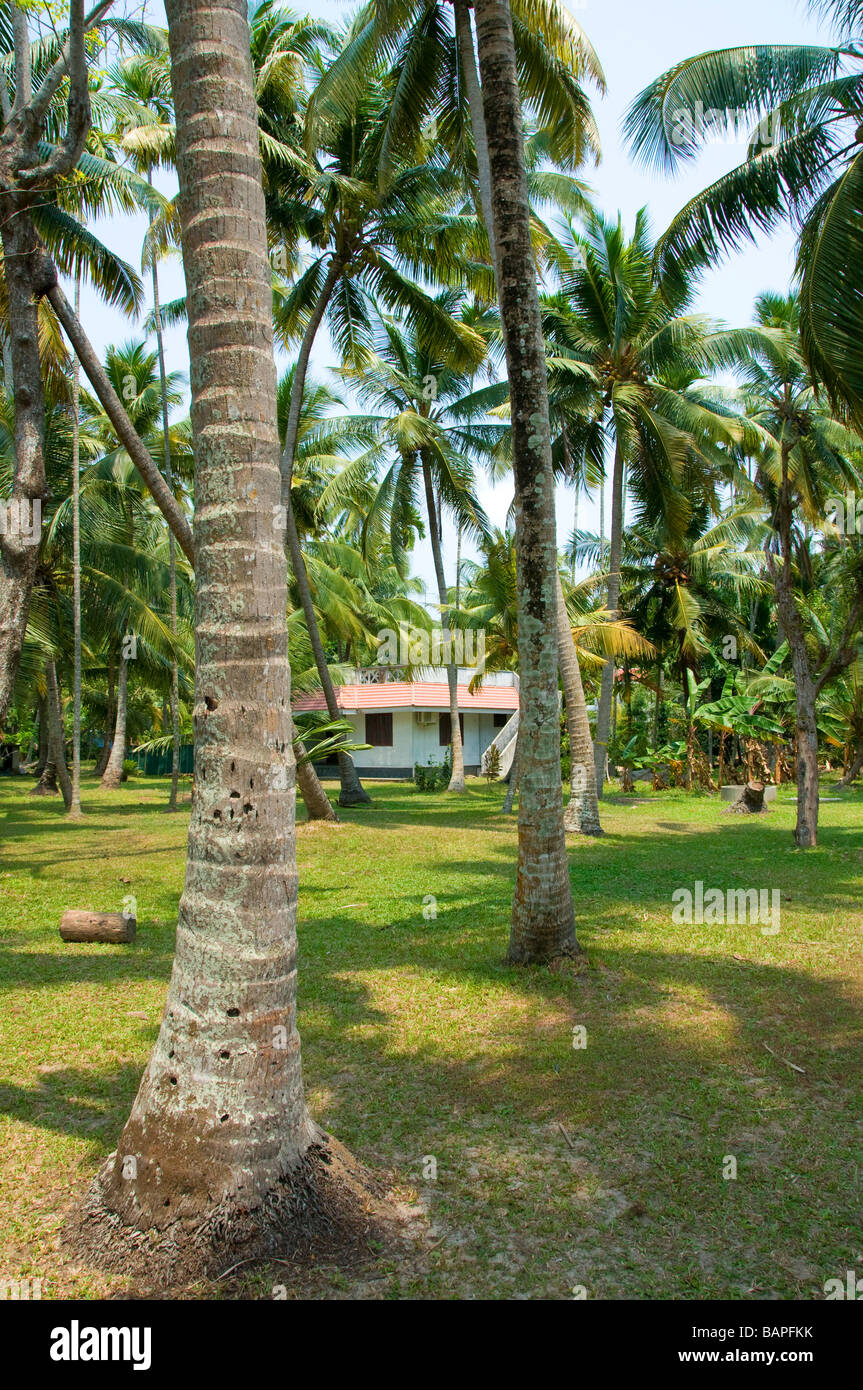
(400, 295)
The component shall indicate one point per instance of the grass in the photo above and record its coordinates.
(556, 1167)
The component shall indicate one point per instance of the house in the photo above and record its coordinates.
(408, 722)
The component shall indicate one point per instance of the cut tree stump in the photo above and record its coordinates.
(751, 799)
(97, 926)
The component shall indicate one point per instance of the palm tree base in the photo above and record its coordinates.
(352, 797)
(568, 952)
(326, 1209)
(573, 827)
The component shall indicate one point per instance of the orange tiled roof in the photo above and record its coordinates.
(392, 695)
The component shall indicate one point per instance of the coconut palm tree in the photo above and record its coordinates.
(543, 920)
(225, 1151)
(427, 439)
(490, 603)
(807, 459)
(801, 107)
(47, 150)
(364, 236)
(437, 95)
(132, 372)
(624, 357)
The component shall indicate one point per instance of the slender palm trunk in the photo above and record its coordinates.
(512, 788)
(117, 414)
(318, 804)
(543, 923)
(456, 781)
(224, 1155)
(606, 693)
(172, 547)
(41, 735)
(582, 812)
(57, 742)
(110, 719)
(352, 791)
(113, 774)
(46, 771)
(75, 806)
(852, 767)
(806, 829)
(467, 63)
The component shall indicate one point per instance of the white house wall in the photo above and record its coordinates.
(417, 743)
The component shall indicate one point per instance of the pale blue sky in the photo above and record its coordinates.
(635, 42)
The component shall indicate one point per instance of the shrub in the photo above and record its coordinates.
(430, 776)
(130, 769)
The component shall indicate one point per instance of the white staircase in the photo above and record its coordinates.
(504, 741)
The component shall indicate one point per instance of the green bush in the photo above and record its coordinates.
(130, 769)
(431, 776)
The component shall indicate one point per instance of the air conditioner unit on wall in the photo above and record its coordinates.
(424, 717)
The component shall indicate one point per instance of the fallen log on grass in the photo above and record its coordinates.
(112, 927)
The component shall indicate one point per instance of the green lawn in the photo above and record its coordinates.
(556, 1167)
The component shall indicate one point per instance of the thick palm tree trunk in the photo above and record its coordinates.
(543, 923)
(582, 811)
(113, 774)
(606, 693)
(456, 781)
(18, 557)
(219, 1153)
(172, 547)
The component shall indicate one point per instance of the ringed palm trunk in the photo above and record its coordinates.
(582, 811)
(456, 781)
(222, 1142)
(113, 774)
(543, 922)
(18, 557)
(606, 693)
